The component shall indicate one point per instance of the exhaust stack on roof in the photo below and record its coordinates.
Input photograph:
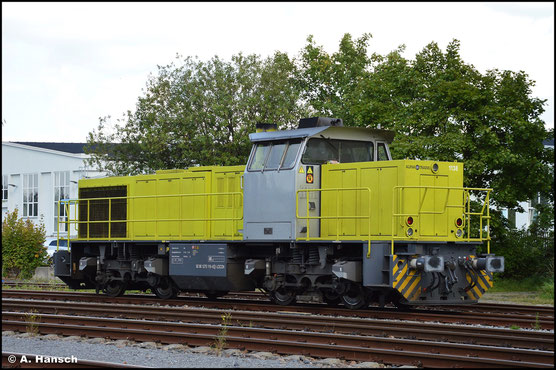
(319, 122)
(264, 127)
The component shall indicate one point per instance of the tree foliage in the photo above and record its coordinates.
(22, 246)
(330, 83)
(199, 113)
(441, 108)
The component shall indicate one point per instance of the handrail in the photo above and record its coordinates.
(466, 204)
(62, 201)
(337, 217)
(76, 202)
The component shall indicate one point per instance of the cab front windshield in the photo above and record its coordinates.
(320, 151)
(275, 155)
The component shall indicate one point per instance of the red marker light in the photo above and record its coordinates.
(410, 220)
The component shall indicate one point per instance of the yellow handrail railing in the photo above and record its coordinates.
(77, 222)
(465, 205)
(337, 217)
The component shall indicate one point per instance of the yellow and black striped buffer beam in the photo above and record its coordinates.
(479, 283)
(404, 280)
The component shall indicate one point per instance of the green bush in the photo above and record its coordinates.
(22, 246)
(547, 290)
(526, 254)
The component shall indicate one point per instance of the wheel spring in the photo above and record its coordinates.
(121, 252)
(313, 256)
(297, 256)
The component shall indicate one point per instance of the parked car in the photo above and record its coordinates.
(51, 245)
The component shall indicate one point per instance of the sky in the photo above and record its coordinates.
(65, 65)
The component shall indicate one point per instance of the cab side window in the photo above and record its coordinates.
(381, 153)
(319, 151)
(356, 151)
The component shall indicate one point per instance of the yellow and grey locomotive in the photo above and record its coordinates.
(319, 211)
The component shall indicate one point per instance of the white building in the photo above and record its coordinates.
(35, 176)
(522, 220)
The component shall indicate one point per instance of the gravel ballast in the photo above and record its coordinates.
(151, 354)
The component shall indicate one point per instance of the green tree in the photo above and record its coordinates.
(440, 108)
(198, 112)
(22, 246)
(330, 83)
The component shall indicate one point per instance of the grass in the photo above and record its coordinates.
(532, 290)
(220, 340)
(32, 319)
(27, 284)
(530, 284)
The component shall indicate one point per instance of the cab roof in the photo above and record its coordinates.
(364, 134)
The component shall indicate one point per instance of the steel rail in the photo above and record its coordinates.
(349, 347)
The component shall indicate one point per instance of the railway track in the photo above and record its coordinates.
(277, 320)
(285, 332)
(316, 344)
(539, 318)
(512, 309)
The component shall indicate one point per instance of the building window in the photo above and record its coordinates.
(61, 192)
(4, 187)
(30, 195)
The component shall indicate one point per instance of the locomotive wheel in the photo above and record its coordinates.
(354, 298)
(165, 289)
(214, 295)
(401, 305)
(283, 297)
(331, 298)
(115, 288)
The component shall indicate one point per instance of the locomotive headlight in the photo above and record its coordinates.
(435, 168)
(459, 233)
(409, 232)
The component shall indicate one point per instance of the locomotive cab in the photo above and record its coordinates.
(283, 162)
